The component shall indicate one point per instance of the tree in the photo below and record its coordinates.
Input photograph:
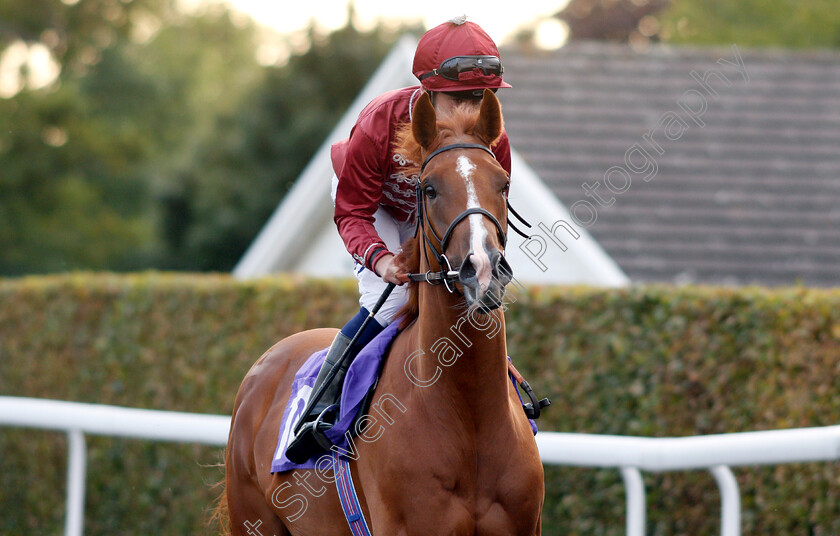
(162, 143)
(60, 207)
(611, 20)
(84, 158)
(76, 32)
(754, 23)
(220, 199)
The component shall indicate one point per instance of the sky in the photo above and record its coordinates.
(500, 20)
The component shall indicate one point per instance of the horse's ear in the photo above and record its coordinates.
(424, 122)
(489, 125)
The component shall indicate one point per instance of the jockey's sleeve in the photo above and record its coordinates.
(357, 199)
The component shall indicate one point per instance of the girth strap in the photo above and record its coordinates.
(347, 496)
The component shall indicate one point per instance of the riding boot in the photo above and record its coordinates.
(309, 438)
(306, 441)
(333, 390)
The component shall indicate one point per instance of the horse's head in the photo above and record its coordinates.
(462, 198)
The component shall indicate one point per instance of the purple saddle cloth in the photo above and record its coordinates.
(361, 377)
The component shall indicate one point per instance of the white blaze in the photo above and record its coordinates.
(478, 233)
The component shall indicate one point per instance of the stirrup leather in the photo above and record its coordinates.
(534, 407)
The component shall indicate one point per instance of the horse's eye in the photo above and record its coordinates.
(430, 191)
(506, 189)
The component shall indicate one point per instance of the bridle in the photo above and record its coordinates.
(446, 275)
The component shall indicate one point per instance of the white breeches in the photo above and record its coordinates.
(371, 286)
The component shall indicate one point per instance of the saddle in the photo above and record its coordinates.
(357, 392)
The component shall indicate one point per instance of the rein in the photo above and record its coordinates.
(446, 275)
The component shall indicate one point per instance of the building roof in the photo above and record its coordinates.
(747, 190)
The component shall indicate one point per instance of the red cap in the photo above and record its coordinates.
(455, 38)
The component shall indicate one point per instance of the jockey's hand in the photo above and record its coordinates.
(388, 270)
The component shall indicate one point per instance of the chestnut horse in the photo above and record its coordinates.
(448, 449)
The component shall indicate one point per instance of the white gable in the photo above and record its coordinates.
(300, 236)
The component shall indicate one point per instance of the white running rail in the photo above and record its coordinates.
(78, 419)
(630, 455)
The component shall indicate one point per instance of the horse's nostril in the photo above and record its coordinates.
(467, 271)
(502, 271)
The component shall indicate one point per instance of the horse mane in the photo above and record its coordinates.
(409, 262)
(458, 123)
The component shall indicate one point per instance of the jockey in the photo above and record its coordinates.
(374, 200)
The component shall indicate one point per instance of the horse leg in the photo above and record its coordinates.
(249, 513)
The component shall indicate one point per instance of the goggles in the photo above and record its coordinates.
(451, 68)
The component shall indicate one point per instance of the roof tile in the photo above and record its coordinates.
(752, 196)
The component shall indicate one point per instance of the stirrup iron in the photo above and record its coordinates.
(534, 407)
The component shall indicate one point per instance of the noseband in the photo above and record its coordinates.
(447, 276)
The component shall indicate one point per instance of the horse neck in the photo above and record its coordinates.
(469, 350)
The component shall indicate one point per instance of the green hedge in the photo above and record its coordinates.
(649, 361)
